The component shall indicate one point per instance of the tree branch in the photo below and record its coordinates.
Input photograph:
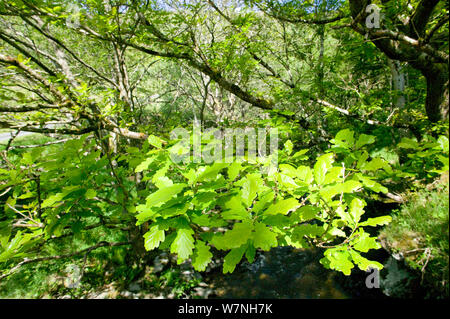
(64, 131)
(421, 17)
(22, 109)
(46, 258)
(40, 145)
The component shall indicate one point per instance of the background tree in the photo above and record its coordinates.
(106, 81)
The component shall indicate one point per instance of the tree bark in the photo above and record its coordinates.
(408, 47)
(437, 93)
(398, 83)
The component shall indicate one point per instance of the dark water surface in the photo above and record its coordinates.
(283, 272)
(286, 272)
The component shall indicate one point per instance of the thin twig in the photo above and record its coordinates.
(428, 252)
(40, 145)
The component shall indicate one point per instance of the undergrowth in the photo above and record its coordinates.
(419, 232)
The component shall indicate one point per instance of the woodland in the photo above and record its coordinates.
(94, 96)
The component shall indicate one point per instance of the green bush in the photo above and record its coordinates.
(419, 232)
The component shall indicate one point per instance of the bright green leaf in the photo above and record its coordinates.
(283, 206)
(153, 237)
(202, 256)
(183, 244)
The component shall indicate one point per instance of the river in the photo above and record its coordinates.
(285, 272)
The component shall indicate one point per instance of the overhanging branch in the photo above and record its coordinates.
(46, 258)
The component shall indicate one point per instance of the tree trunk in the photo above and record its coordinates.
(135, 235)
(436, 104)
(435, 70)
(398, 83)
(320, 71)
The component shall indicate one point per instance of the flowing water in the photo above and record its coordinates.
(285, 272)
(282, 272)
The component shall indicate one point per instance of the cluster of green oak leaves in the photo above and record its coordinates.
(195, 209)
(243, 206)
